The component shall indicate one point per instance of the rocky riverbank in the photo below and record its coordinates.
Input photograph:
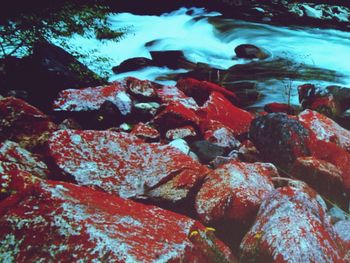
(139, 171)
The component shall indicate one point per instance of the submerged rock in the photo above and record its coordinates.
(56, 220)
(132, 64)
(124, 165)
(250, 51)
(292, 226)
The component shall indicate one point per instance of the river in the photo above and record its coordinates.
(209, 38)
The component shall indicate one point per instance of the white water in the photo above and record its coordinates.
(201, 42)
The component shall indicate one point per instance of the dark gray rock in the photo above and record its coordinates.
(207, 151)
(279, 138)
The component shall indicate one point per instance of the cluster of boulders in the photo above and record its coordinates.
(135, 171)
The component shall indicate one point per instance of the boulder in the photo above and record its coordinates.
(55, 220)
(292, 226)
(143, 90)
(200, 90)
(49, 70)
(342, 228)
(181, 133)
(250, 51)
(13, 156)
(234, 192)
(169, 94)
(145, 132)
(132, 64)
(124, 165)
(220, 135)
(322, 176)
(176, 115)
(173, 59)
(325, 128)
(220, 109)
(24, 124)
(91, 99)
(279, 138)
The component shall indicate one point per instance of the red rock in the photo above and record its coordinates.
(279, 107)
(342, 228)
(122, 164)
(180, 133)
(200, 90)
(146, 132)
(24, 124)
(234, 191)
(220, 135)
(12, 156)
(53, 221)
(91, 99)
(176, 115)
(169, 94)
(218, 108)
(292, 226)
(323, 176)
(323, 102)
(325, 128)
(143, 89)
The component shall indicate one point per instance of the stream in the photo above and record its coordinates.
(319, 56)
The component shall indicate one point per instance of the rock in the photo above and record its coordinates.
(47, 71)
(91, 99)
(221, 160)
(16, 160)
(176, 115)
(181, 133)
(207, 151)
(279, 107)
(322, 176)
(234, 192)
(142, 89)
(170, 94)
(221, 135)
(56, 220)
(145, 132)
(322, 101)
(173, 59)
(336, 214)
(342, 228)
(132, 64)
(334, 154)
(246, 91)
(250, 51)
(292, 226)
(19, 94)
(200, 90)
(218, 108)
(325, 128)
(69, 124)
(124, 165)
(24, 124)
(181, 145)
(279, 139)
(248, 153)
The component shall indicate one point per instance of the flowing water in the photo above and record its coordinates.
(321, 56)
